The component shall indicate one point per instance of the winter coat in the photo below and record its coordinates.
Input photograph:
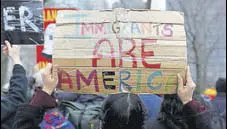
(218, 109)
(29, 116)
(195, 116)
(219, 103)
(16, 95)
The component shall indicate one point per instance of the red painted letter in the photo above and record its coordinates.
(129, 52)
(98, 56)
(148, 53)
(64, 80)
(93, 74)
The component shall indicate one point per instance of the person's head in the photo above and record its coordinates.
(221, 85)
(37, 75)
(34, 81)
(171, 112)
(123, 111)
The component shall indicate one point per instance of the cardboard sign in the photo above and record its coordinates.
(105, 52)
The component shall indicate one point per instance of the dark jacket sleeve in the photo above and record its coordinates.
(197, 116)
(17, 92)
(29, 116)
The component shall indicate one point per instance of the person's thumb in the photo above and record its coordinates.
(55, 73)
(189, 77)
(180, 82)
(48, 69)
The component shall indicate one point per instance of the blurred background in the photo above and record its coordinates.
(205, 25)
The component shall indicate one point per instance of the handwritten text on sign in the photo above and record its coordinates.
(95, 59)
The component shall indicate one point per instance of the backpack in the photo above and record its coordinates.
(80, 115)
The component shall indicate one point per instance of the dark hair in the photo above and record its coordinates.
(221, 85)
(123, 111)
(171, 113)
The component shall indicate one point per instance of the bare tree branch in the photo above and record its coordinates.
(189, 27)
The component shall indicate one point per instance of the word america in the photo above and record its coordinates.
(107, 77)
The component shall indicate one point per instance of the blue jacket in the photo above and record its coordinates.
(153, 104)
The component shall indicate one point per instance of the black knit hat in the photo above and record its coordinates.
(221, 85)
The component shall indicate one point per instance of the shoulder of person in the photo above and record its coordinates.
(154, 124)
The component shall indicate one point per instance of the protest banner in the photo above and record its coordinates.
(41, 60)
(120, 50)
(44, 52)
(22, 21)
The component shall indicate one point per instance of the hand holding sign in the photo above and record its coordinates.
(185, 92)
(50, 80)
(13, 51)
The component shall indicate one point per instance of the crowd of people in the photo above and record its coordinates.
(118, 111)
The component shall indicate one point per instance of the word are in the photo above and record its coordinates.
(144, 54)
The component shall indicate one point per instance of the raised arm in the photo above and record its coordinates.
(30, 115)
(18, 83)
(196, 115)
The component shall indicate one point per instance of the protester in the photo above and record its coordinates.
(34, 82)
(123, 111)
(181, 111)
(17, 87)
(218, 105)
(29, 116)
(219, 102)
(30, 88)
(37, 75)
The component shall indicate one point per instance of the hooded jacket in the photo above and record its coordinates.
(195, 115)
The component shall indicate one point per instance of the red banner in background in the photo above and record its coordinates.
(41, 60)
(44, 52)
(50, 14)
